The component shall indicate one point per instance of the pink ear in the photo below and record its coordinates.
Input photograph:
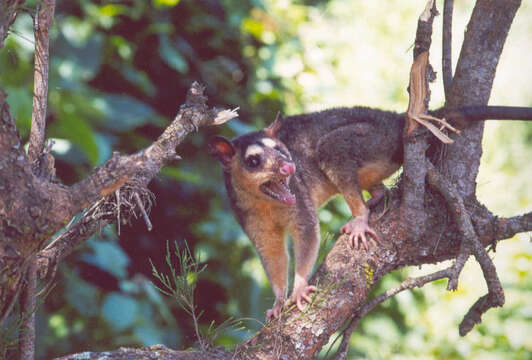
(274, 127)
(222, 149)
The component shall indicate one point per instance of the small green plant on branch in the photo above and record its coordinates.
(180, 285)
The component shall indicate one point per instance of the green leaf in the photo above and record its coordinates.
(78, 61)
(165, 3)
(20, 103)
(240, 127)
(108, 256)
(69, 125)
(81, 295)
(119, 310)
(182, 175)
(253, 27)
(148, 335)
(171, 55)
(104, 146)
(138, 78)
(124, 113)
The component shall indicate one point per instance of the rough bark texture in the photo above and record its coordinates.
(472, 82)
(41, 24)
(32, 208)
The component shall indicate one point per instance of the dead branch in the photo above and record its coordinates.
(147, 163)
(51, 205)
(414, 148)
(145, 216)
(137, 170)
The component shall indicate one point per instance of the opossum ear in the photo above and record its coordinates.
(221, 149)
(274, 127)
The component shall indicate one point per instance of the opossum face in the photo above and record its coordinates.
(259, 166)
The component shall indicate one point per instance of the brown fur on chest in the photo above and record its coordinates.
(264, 222)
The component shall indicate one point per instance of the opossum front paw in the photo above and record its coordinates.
(356, 229)
(302, 294)
(275, 311)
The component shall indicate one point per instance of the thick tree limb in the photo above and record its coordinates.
(159, 352)
(473, 79)
(41, 27)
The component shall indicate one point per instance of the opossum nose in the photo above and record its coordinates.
(287, 169)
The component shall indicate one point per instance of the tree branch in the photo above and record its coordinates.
(137, 170)
(33, 209)
(507, 227)
(146, 163)
(473, 79)
(470, 242)
(28, 308)
(414, 147)
(447, 39)
(41, 27)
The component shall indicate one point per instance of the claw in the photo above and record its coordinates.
(301, 295)
(275, 311)
(357, 229)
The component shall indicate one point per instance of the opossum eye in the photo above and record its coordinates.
(253, 161)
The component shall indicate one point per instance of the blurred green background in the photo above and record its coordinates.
(119, 71)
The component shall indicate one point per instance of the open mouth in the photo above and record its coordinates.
(279, 190)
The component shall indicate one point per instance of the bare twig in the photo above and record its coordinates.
(458, 265)
(143, 211)
(41, 26)
(118, 221)
(28, 307)
(508, 227)
(447, 64)
(409, 283)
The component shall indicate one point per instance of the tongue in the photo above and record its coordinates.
(289, 199)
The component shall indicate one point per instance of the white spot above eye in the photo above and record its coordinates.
(253, 150)
(268, 142)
